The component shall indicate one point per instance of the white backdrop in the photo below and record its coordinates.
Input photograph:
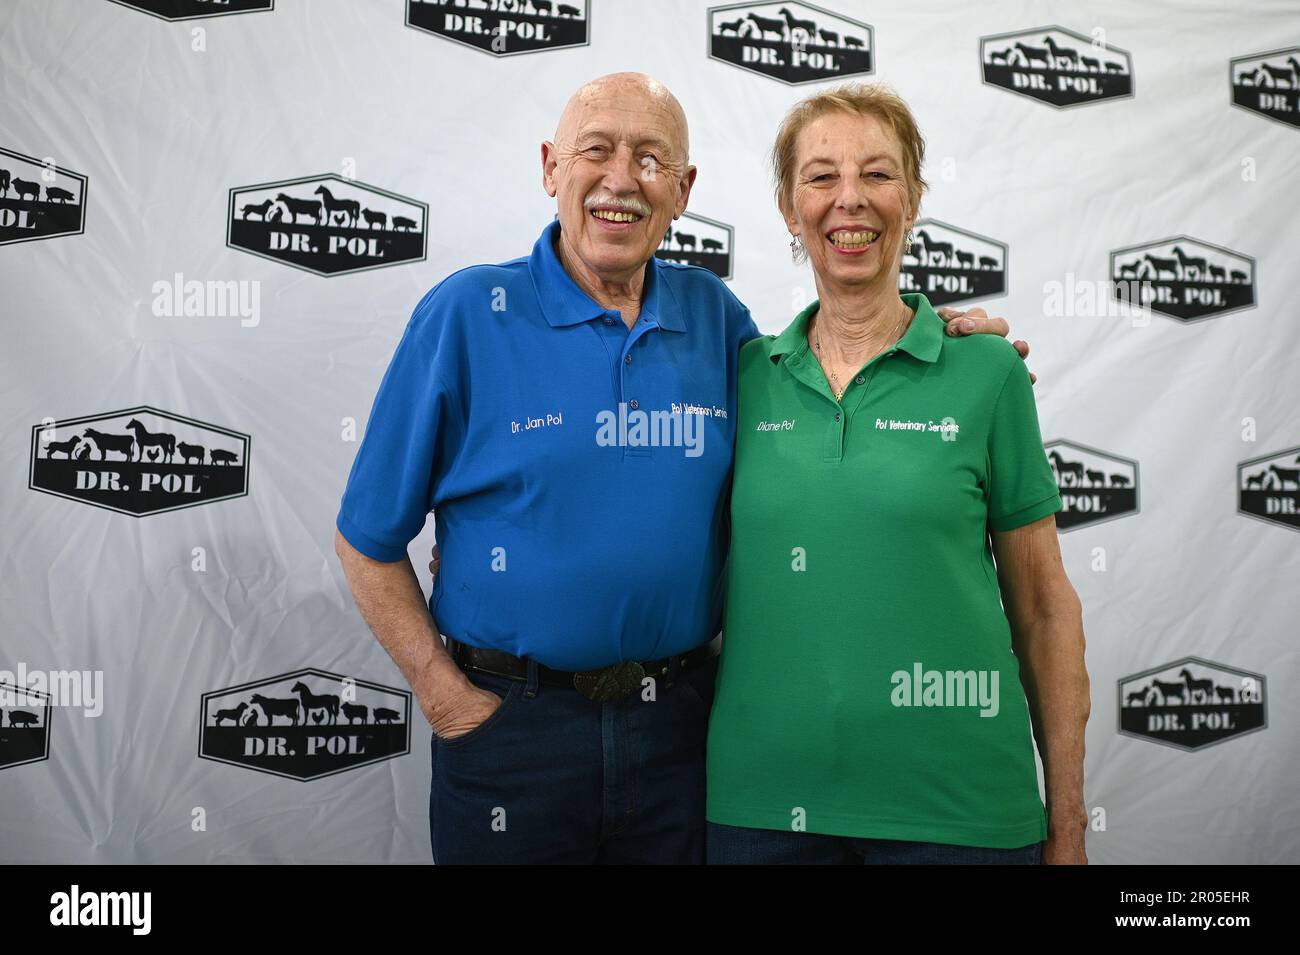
(164, 123)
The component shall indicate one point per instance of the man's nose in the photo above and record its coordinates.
(622, 172)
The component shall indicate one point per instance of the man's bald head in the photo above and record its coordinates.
(625, 92)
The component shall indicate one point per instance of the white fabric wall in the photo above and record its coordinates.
(163, 133)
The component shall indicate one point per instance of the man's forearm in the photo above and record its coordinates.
(392, 604)
(1050, 650)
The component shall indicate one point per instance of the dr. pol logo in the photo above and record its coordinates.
(39, 200)
(1056, 66)
(695, 240)
(1192, 703)
(1268, 488)
(791, 42)
(949, 264)
(305, 725)
(1183, 278)
(504, 27)
(196, 9)
(1095, 486)
(327, 224)
(139, 461)
(24, 724)
(1268, 84)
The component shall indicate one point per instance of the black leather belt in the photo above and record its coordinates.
(604, 685)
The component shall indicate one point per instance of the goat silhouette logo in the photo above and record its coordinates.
(196, 9)
(1095, 485)
(305, 725)
(39, 200)
(1269, 488)
(1268, 84)
(790, 41)
(949, 264)
(1183, 278)
(1056, 66)
(1192, 703)
(24, 725)
(139, 461)
(504, 27)
(695, 240)
(327, 225)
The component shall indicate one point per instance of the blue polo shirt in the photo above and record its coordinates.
(578, 470)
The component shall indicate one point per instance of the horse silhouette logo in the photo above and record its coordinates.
(139, 461)
(950, 265)
(38, 200)
(327, 225)
(504, 27)
(196, 9)
(1268, 84)
(1056, 66)
(1183, 278)
(790, 41)
(1095, 486)
(304, 725)
(1268, 488)
(1192, 703)
(696, 240)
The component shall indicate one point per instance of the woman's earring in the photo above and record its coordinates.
(797, 252)
(907, 243)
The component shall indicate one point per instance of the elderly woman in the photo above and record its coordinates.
(898, 616)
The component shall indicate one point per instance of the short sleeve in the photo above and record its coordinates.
(408, 439)
(1021, 486)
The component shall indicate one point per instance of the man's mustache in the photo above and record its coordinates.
(622, 203)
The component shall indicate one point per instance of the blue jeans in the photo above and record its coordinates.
(553, 777)
(734, 845)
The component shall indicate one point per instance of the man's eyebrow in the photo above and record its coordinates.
(655, 142)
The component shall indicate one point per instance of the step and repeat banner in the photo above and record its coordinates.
(217, 215)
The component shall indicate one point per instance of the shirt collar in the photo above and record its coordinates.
(922, 340)
(565, 303)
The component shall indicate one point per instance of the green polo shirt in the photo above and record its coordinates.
(867, 685)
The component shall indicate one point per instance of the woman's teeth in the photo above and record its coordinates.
(611, 216)
(853, 240)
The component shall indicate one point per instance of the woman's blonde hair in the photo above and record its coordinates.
(857, 99)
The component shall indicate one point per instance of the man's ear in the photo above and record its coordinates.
(549, 162)
(684, 190)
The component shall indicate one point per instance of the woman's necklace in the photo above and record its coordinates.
(836, 387)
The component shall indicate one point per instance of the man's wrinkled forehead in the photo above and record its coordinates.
(624, 113)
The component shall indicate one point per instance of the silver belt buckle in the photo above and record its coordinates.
(609, 683)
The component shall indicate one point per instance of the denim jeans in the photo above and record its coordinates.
(734, 845)
(553, 777)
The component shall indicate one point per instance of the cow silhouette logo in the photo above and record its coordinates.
(1268, 84)
(1183, 278)
(305, 725)
(24, 725)
(790, 41)
(949, 264)
(504, 27)
(327, 225)
(1056, 66)
(196, 9)
(695, 240)
(1095, 486)
(1192, 703)
(1268, 488)
(140, 461)
(39, 200)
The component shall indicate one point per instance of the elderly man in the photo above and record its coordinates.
(568, 417)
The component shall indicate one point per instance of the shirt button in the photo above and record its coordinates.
(634, 404)
(608, 320)
(859, 379)
(837, 417)
(627, 360)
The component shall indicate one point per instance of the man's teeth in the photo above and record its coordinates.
(612, 216)
(853, 240)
